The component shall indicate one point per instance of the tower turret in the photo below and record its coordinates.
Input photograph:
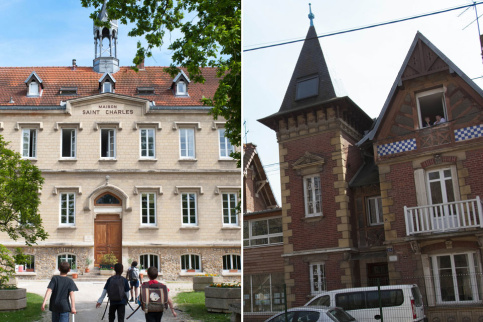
(105, 43)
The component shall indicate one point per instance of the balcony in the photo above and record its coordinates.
(444, 217)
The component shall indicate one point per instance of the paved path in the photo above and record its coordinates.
(88, 295)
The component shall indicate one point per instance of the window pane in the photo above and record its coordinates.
(259, 228)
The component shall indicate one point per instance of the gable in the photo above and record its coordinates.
(423, 61)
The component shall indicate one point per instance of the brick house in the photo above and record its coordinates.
(263, 270)
(390, 202)
(133, 165)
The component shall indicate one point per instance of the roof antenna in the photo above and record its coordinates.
(311, 15)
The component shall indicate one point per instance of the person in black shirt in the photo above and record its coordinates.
(116, 305)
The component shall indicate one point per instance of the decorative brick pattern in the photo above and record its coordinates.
(468, 133)
(396, 147)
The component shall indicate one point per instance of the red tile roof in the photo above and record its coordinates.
(12, 85)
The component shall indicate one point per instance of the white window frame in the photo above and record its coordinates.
(73, 143)
(378, 209)
(188, 135)
(144, 135)
(314, 195)
(232, 261)
(441, 90)
(187, 194)
(105, 89)
(321, 278)
(225, 145)
(111, 143)
(266, 236)
(34, 85)
(68, 196)
(149, 195)
(474, 272)
(70, 258)
(227, 213)
(190, 263)
(181, 88)
(441, 180)
(31, 146)
(148, 256)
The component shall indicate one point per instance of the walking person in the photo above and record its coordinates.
(117, 289)
(133, 276)
(62, 288)
(146, 289)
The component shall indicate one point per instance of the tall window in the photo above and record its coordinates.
(225, 145)
(318, 282)
(108, 143)
(107, 87)
(67, 209)
(148, 208)
(374, 210)
(181, 88)
(71, 259)
(33, 89)
(68, 143)
(29, 143)
(231, 262)
(230, 214)
(191, 262)
(147, 143)
(263, 293)
(262, 232)
(148, 260)
(188, 205)
(313, 196)
(441, 186)
(187, 143)
(456, 278)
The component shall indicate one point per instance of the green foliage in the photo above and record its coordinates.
(212, 39)
(20, 258)
(20, 183)
(31, 313)
(193, 303)
(109, 260)
(7, 266)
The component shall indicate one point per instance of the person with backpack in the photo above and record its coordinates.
(117, 289)
(61, 288)
(133, 276)
(154, 298)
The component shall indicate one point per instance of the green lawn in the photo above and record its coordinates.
(193, 303)
(31, 313)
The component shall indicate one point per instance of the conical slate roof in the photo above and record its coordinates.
(311, 63)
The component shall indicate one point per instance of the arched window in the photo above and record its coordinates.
(148, 260)
(69, 258)
(190, 263)
(107, 199)
(33, 89)
(232, 263)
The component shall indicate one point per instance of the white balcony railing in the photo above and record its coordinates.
(443, 217)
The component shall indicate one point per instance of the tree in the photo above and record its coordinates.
(212, 39)
(20, 183)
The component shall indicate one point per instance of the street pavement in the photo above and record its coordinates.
(88, 294)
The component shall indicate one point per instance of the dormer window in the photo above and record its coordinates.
(34, 85)
(307, 87)
(33, 89)
(107, 83)
(107, 88)
(145, 90)
(180, 84)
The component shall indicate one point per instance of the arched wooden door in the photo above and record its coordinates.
(107, 237)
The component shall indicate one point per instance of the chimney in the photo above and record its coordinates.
(140, 66)
(74, 64)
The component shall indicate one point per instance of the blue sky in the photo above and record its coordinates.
(364, 64)
(53, 32)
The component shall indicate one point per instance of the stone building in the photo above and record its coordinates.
(263, 272)
(133, 165)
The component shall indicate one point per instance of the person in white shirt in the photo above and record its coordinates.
(439, 120)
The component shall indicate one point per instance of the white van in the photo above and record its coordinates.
(400, 303)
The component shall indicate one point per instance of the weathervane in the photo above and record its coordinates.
(311, 15)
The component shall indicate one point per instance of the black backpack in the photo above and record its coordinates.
(115, 290)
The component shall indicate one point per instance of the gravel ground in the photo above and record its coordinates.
(89, 292)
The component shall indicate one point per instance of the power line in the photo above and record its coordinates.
(369, 26)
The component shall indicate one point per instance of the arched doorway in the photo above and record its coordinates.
(107, 227)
